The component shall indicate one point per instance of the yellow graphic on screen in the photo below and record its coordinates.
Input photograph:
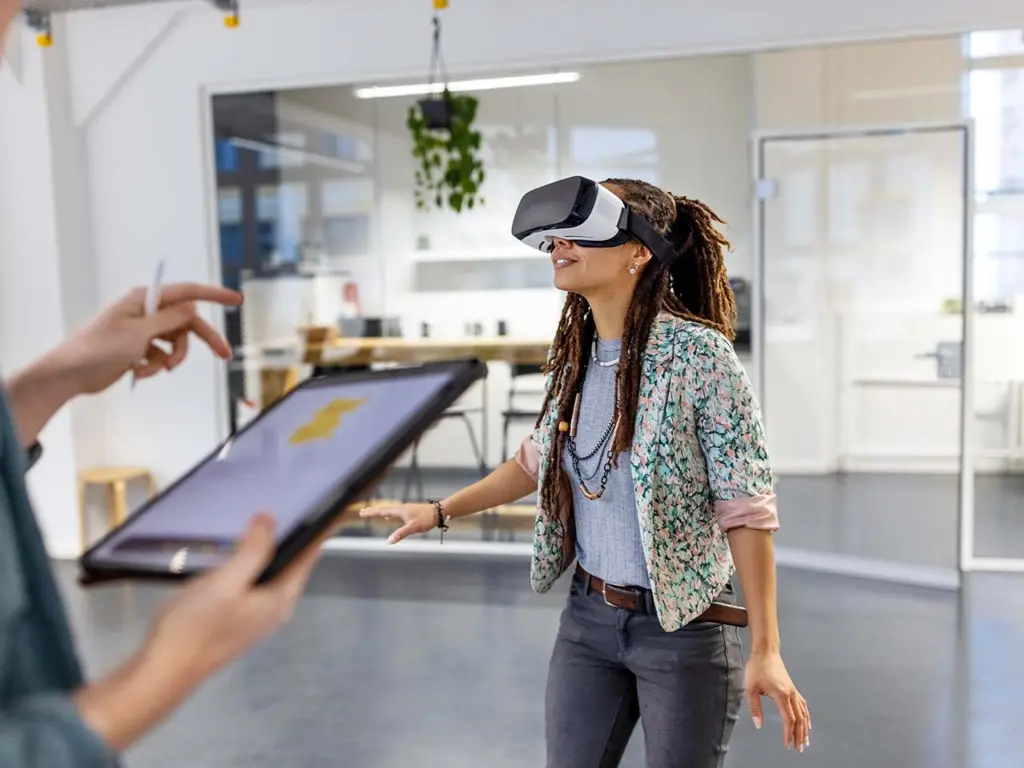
(325, 421)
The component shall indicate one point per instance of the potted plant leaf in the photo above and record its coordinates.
(446, 144)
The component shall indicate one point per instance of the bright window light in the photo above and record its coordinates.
(483, 84)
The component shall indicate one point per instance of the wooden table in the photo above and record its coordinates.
(350, 352)
(326, 351)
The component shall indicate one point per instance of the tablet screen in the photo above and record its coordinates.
(286, 463)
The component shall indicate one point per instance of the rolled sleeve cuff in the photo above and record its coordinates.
(50, 732)
(757, 512)
(528, 457)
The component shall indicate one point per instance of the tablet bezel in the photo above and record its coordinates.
(463, 374)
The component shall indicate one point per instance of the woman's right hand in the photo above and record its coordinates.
(415, 518)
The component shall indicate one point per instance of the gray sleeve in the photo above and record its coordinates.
(45, 731)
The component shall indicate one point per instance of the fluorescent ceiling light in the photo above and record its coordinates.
(484, 84)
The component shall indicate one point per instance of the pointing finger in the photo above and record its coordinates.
(178, 292)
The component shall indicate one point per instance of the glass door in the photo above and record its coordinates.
(859, 345)
(993, 538)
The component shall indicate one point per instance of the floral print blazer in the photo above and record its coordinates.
(699, 467)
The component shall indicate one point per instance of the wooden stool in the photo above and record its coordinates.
(116, 479)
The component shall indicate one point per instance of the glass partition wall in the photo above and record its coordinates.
(862, 252)
(993, 531)
(855, 291)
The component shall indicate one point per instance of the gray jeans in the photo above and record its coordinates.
(611, 668)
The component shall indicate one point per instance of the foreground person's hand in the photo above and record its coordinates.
(217, 617)
(208, 624)
(766, 675)
(122, 338)
(415, 518)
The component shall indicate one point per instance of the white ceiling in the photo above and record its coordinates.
(77, 5)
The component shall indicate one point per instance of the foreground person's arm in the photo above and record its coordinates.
(35, 394)
(508, 483)
(210, 623)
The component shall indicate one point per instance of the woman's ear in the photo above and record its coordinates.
(639, 259)
(643, 255)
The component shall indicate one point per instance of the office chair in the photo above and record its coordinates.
(457, 411)
(515, 410)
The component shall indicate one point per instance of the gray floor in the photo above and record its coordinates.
(903, 518)
(409, 662)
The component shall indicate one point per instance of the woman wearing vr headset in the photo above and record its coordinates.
(650, 464)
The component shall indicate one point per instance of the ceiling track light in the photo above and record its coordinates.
(39, 22)
(232, 17)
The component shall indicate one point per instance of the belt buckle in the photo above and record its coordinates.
(604, 595)
(621, 590)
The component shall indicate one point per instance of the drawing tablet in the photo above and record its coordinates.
(303, 461)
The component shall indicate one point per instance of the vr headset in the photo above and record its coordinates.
(583, 211)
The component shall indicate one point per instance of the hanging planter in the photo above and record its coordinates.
(437, 113)
(446, 144)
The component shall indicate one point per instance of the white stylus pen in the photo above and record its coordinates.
(152, 300)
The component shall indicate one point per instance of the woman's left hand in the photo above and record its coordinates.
(766, 675)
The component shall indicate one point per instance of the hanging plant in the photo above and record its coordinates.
(446, 147)
(446, 144)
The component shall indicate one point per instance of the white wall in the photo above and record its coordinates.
(32, 311)
(136, 96)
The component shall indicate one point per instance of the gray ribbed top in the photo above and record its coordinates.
(607, 533)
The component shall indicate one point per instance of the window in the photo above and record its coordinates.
(227, 156)
(281, 213)
(991, 44)
(347, 205)
(229, 209)
(995, 101)
(280, 154)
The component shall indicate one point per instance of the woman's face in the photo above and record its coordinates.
(587, 271)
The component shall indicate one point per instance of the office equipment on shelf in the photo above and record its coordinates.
(370, 327)
(116, 481)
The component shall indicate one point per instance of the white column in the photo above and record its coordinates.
(33, 315)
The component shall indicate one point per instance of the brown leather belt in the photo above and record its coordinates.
(635, 599)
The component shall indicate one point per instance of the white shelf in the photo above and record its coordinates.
(479, 254)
